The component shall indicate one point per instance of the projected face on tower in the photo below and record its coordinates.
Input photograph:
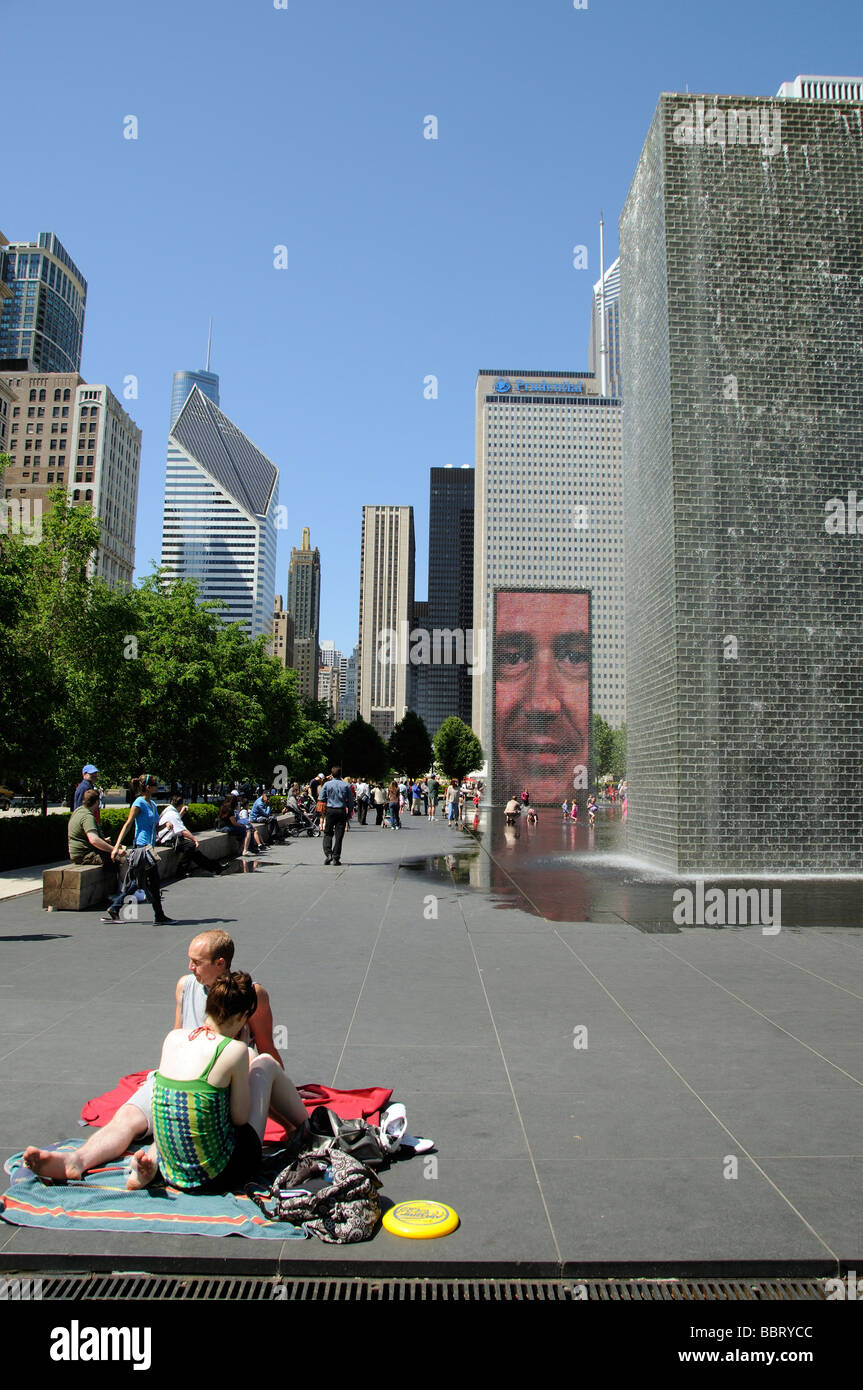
(541, 692)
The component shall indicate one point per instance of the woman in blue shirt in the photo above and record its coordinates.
(142, 867)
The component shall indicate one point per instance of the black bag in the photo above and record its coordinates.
(328, 1193)
(355, 1137)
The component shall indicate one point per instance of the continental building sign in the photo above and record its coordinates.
(503, 387)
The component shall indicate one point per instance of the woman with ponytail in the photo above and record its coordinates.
(142, 869)
(211, 1099)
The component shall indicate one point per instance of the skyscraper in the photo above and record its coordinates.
(443, 686)
(207, 382)
(64, 431)
(387, 559)
(742, 330)
(282, 645)
(304, 604)
(612, 329)
(42, 322)
(548, 517)
(220, 515)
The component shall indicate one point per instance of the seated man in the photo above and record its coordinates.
(86, 845)
(262, 816)
(172, 832)
(210, 957)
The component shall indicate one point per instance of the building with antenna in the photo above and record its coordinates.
(220, 514)
(205, 380)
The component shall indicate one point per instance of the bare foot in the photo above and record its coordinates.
(143, 1167)
(48, 1164)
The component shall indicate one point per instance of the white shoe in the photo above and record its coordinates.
(394, 1122)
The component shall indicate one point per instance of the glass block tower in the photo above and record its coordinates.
(220, 516)
(742, 321)
(42, 319)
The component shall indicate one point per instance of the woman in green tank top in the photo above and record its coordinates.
(211, 1099)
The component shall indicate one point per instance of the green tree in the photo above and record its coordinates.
(617, 765)
(603, 743)
(457, 748)
(363, 751)
(410, 747)
(45, 607)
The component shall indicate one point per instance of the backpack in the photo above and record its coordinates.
(328, 1193)
(355, 1137)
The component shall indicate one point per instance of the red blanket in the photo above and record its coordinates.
(362, 1104)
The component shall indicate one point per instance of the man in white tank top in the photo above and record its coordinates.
(210, 957)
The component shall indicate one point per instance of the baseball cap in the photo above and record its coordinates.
(89, 768)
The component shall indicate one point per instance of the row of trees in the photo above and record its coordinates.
(150, 679)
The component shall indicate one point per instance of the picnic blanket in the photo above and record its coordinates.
(365, 1103)
(100, 1202)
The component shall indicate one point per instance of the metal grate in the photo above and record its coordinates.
(370, 1290)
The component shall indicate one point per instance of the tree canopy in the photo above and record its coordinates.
(135, 679)
(410, 747)
(457, 748)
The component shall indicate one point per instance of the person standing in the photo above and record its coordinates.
(434, 792)
(89, 773)
(380, 798)
(363, 794)
(339, 801)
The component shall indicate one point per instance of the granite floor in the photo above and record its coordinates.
(604, 1098)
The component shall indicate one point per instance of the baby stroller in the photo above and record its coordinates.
(303, 822)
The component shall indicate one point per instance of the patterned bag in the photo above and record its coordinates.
(343, 1211)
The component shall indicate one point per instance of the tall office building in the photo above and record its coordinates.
(348, 667)
(64, 431)
(743, 346)
(42, 321)
(548, 516)
(387, 560)
(443, 684)
(184, 382)
(304, 603)
(282, 645)
(612, 330)
(221, 500)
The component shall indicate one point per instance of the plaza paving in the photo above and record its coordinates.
(708, 1052)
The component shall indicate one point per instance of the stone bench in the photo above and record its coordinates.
(74, 887)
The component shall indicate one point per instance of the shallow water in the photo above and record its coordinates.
(571, 873)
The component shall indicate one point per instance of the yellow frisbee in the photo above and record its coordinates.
(420, 1220)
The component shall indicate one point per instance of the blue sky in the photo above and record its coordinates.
(261, 127)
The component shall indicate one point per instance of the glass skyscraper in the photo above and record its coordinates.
(221, 513)
(208, 382)
(444, 687)
(42, 322)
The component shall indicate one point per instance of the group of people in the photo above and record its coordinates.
(206, 1107)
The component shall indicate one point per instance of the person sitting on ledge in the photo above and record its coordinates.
(86, 845)
(210, 957)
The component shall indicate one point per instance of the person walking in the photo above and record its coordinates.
(380, 799)
(393, 795)
(142, 869)
(339, 800)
